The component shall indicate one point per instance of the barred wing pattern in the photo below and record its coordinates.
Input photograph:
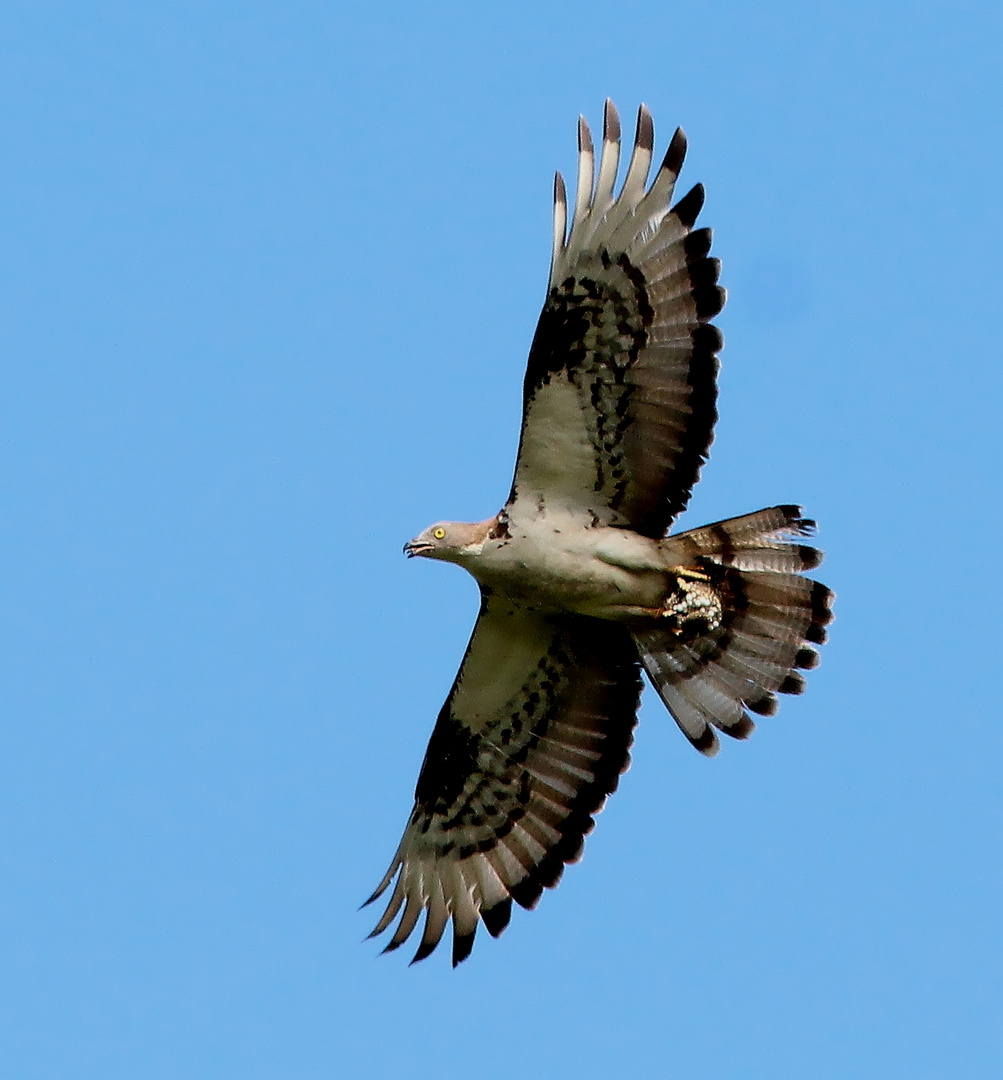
(532, 738)
(620, 388)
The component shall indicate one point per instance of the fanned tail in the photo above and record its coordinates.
(738, 623)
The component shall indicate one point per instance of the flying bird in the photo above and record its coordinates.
(582, 586)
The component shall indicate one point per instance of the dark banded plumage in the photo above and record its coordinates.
(581, 587)
(769, 615)
(506, 792)
(625, 331)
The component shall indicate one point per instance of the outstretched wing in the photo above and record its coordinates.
(532, 738)
(620, 389)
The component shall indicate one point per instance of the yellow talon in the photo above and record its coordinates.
(692, 575)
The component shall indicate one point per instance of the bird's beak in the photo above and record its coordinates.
(416, 547)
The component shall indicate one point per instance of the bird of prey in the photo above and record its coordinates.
(581, 584)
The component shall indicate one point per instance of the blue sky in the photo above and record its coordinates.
(269, 276)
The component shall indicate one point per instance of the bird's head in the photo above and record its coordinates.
(450, 541)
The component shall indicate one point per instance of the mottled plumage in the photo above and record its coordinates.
(581, 587)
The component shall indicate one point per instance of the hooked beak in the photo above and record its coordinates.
(416, 547)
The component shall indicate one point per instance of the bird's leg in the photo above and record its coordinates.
(693, 602)
(691, 575)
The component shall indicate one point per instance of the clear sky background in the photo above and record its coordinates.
(270, 272)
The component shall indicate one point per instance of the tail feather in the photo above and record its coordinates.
(759, 541)
(738, 621)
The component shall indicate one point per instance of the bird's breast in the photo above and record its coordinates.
(565, 568)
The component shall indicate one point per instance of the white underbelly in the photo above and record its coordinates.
(559, 570)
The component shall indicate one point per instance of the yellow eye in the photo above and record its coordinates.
(439, 533)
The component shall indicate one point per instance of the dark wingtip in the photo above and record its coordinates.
(690, 205)
(767, 705)
(697, 244)
(584, 135)
(571, 848)
(526, 893)
(710, 302)
(706, 742)
(821, 603)
(610, 123)
(550, 869)
(821, 613)
(806, 659)
(676, 153)
(793, 684)
(740, 730)
(425, 949)
(791, 512)
(376, 895)
(462, 946)
(644, 135)
(560, 192)
(497, 918)
(810, 557)
(708, 339)
(708, 296)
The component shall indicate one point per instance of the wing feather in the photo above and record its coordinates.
(620, 388)
(560, 216)
(609, 162)
(585, 185)
(531, 740)
(640, 160)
